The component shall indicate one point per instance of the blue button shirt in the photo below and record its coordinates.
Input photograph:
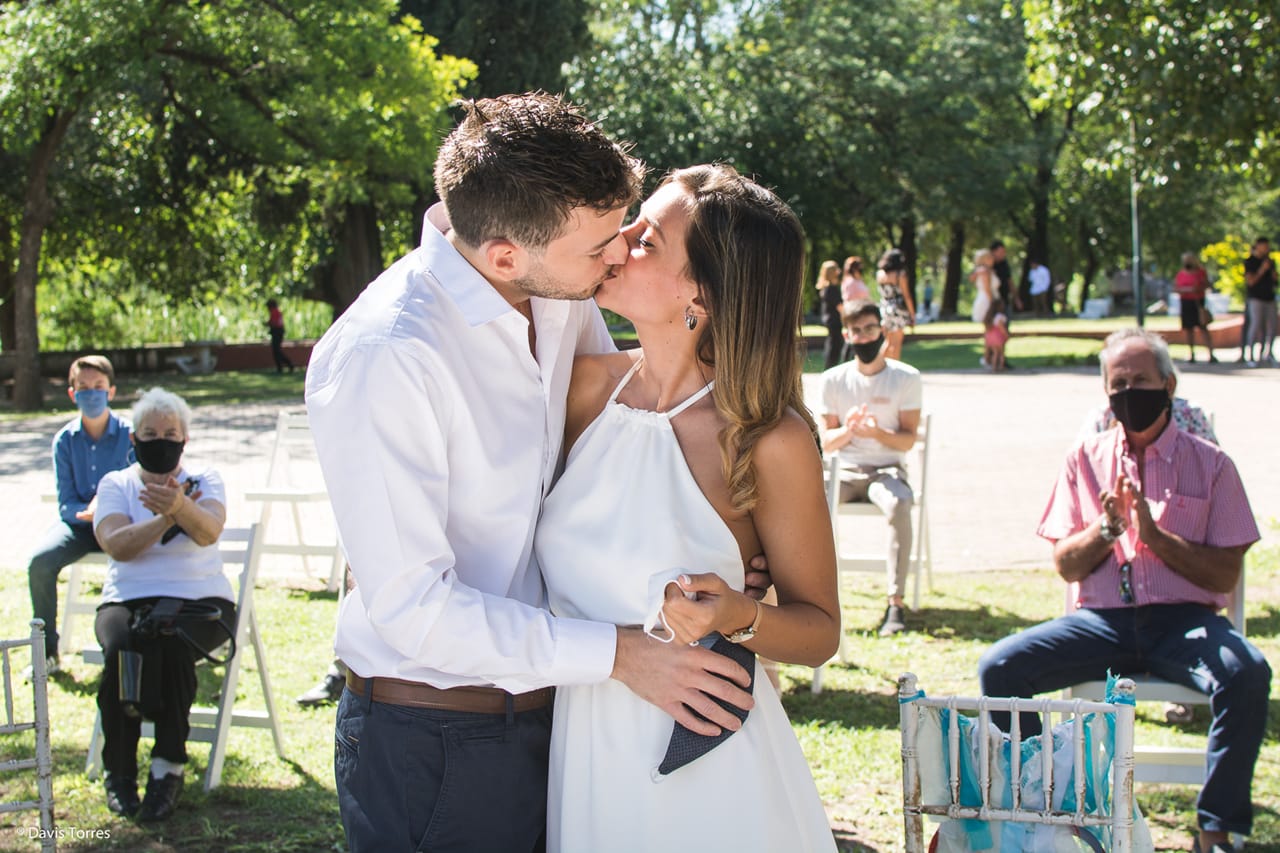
(80, 461)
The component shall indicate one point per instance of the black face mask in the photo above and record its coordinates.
(866, 353)
(1138, 408)
(159, 455)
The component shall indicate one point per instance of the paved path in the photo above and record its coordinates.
(999, 441)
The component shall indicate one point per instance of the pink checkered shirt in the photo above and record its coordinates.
(1193, 490)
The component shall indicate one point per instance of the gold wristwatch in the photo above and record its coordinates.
(745, 634)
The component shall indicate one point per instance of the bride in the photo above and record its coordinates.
(686, 457)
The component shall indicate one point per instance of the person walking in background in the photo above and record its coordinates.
(1041, 285)
(852, 289)
(1004, 276)
(1260, 282)
(275, 325)
(897, 309)
(828, 285)
(984, 284)
(88, 448)
(1190, 284)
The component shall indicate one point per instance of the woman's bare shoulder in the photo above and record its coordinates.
(788, 441)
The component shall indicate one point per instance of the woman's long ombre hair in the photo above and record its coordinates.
(746, 255)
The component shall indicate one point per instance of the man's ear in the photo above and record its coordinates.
(506, 260)
(111, 393)
(71, 393)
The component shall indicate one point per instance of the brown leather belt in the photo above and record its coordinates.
(476, 700)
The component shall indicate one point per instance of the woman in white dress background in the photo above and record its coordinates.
(686, 457)
(984, 283)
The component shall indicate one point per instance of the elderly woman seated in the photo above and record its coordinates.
(159, 523)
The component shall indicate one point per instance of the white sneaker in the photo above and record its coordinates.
(51, 667)
(982, 361)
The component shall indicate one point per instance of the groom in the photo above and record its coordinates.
(437, 406)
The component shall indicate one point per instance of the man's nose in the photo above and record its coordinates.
(616, 253)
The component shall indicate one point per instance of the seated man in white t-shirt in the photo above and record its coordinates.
(871, 412)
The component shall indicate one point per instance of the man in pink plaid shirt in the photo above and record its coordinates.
(1151, 525)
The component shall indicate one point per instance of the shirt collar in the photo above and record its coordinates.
(474, 296)
(113, 424)
(1163, 445)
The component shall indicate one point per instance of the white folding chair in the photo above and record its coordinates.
(42, 762)
(958, 768)
(293, 443)
(1180, 765)
(867, 560)
(92, 564)
(240, 547)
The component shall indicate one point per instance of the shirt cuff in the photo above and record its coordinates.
(584, 651)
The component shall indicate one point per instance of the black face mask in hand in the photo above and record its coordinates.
(159, 455)
(1138, 408)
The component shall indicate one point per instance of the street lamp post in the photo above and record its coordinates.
(1135, 274)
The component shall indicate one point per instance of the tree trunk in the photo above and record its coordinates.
(37, 213)
(8, 315)
(356, 261)
(955, 271)
(1090, 263)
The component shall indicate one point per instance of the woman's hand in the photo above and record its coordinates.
(715, 607)
(163, 498)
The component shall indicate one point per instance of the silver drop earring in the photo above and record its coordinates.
(690, 321)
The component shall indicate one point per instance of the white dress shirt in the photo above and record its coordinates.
(438, 435)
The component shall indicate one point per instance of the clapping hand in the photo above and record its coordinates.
(861, 423)
(163, 498)
(1136, 509)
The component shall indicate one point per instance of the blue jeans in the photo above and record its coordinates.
(413, 779)
(1183, 643)
(61, 546)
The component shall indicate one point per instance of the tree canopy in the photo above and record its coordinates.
(287, 148)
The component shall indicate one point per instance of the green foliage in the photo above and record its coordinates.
(1224, 261)
(516, 45)
(211, 152)
(89, 317)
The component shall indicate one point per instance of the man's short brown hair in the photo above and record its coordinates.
(100, 363)
(517, 166)
(858, 309)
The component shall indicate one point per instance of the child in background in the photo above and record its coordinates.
(996, 335)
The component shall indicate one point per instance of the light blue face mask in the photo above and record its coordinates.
(91, 402)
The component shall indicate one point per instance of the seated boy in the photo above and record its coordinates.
(84, 450)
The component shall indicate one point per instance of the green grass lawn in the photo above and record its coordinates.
(849, 732)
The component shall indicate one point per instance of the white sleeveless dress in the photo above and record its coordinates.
(626, 518)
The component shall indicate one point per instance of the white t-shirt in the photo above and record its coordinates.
(177, 569)
(1039, 277)
(895, 389)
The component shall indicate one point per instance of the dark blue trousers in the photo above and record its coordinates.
(1183, 643)
(413, 779)
(61, 545)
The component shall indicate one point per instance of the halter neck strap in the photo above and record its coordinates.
(689, 401)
